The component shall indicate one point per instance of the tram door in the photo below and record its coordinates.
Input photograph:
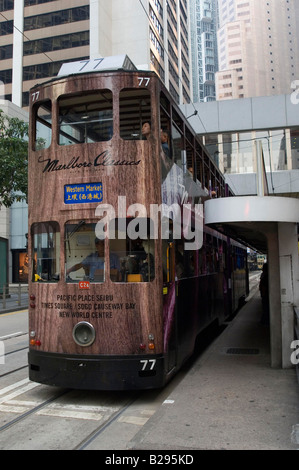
(170, 304)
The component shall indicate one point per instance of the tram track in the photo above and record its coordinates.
(91, 419)
(15, 425)
(103, 427)
(33, 411)
(13, 371)
(15, 351)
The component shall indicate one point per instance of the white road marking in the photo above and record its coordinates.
(138, 420)
(70, 414)
(18, 388)
(8, 404)
(13, 386)
(12, 335)
(88, 412)
(8, 408)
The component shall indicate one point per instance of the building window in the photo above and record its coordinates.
(56, 18)
(51, 69)
(66, 41)
(6, 27)
(6, 5)
(28, 3)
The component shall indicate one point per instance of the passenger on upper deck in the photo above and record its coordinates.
(96, 261)
(146, 130)
(165, 142)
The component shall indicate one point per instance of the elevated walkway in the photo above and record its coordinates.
(268, 224)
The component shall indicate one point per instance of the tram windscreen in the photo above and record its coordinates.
(84, 254)
(86, 118)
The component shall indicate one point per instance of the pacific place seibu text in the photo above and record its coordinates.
(85, 298)
(86, 306)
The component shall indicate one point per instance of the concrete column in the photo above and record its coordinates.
(274, 296)
(17, 63)
(288, 254)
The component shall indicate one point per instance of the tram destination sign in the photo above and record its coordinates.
(119, 62)
(83, 193)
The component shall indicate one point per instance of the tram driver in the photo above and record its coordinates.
(94, 264)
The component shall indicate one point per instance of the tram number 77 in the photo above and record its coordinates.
(148, 364)
(144, 81)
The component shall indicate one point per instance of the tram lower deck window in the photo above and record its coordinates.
(84, 254)
(130, 241)
(46, 251)
(87, 251)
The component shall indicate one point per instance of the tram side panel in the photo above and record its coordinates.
(123, 316)
(127, 316)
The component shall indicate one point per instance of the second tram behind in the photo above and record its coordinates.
(116, 302)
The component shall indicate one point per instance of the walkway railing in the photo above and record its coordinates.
(13, 296)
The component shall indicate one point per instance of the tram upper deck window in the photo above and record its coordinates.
(130, 241)
(86, 118)
(43, 125)
(46, 251)
(134, 111)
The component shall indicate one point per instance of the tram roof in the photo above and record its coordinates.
(120, 63)
(112, 63)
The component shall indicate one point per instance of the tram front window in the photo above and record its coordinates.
(134, 111)
(134, 248)
(84, 253)
(86, 118)
(42, 113)
(46, 252)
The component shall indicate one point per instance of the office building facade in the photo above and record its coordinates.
(204, 24)
(257, 42)
(37, 36)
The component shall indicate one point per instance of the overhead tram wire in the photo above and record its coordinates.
(151, 22)
(26, 37)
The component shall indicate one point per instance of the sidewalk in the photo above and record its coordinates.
(231, 398)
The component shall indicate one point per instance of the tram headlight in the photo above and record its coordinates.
(84, 334)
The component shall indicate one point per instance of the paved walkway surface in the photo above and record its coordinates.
(231, 398)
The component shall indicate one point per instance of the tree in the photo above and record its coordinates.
(13, 160)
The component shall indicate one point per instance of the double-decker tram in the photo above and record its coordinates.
(124, 274)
